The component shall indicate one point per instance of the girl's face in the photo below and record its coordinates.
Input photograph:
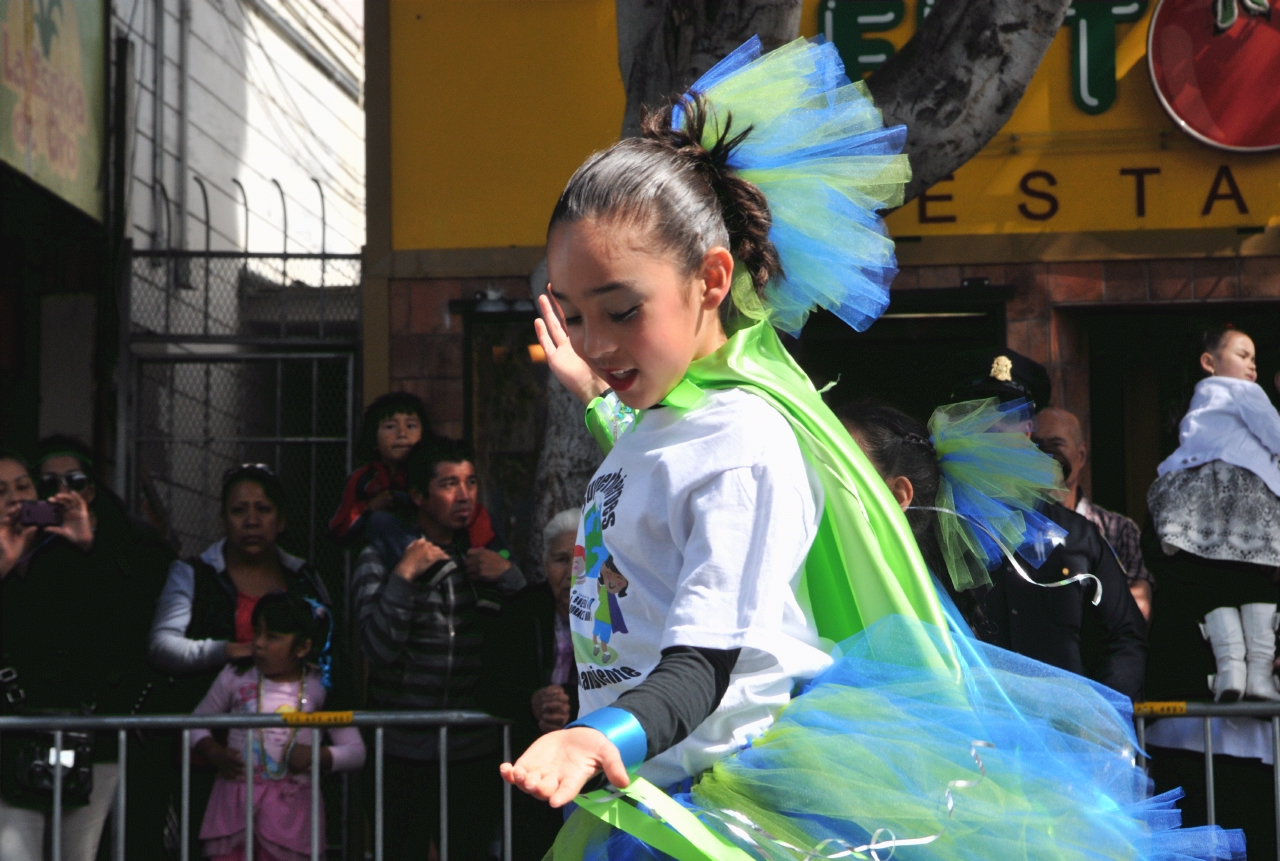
(15, 486)
(251, 520)
(634, 316)
(397, 435)
(278, 656)
(1235, 358)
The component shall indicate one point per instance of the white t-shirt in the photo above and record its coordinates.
(694, 532)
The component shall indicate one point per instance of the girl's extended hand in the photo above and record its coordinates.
(569, 368)
(230, 763)
(76, 525)
(300, 759)
(557, 765)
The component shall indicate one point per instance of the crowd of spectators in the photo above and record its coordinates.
(101, 616)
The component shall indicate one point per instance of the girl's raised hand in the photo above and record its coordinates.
(557, 765)
(569, 368)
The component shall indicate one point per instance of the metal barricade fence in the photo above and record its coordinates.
(315, 721)
(1208, 711)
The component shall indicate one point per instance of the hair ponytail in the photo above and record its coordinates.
(742, 205)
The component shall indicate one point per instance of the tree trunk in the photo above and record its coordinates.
(954, 85)
(957, 81)
(666, 45)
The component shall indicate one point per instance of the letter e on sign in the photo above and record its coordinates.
(1050, 202)
(922, 205)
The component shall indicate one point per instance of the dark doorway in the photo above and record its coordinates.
(914, 355)
(1143, 368)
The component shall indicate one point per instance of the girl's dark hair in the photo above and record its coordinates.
(684, 195)
(896, 444)
(383, 408)
(289, 613)
(261, 475)
(1214, 339)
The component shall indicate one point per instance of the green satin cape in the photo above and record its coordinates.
(864, 563)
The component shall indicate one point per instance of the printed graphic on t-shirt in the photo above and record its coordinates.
(598, 588)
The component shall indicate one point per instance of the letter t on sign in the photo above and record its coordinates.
(1140, 175)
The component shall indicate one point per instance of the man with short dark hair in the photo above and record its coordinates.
(1058, 433)
(418, 620)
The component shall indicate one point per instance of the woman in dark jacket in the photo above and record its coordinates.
(76, 604)
(202, 619)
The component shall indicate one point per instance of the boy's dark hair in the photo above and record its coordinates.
(896, 444)
(420, 467)
(383, 408)
(1215, 339)
(684, 195)
(261, 475)
(289, 613)
(62, 444)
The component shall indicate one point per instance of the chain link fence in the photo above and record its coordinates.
(241, 358)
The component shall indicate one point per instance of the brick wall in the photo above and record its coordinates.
(426, 341)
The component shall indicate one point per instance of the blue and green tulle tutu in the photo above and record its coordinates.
(820, 152)
(1006, 758)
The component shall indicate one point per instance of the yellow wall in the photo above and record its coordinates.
(494, 103)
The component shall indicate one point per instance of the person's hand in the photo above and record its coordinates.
(229, 763)
(1141, 590)
(300, 759)
(572, 372)
(15, 541)
(381, 501)
(556, 766)
(237, 651)
(420, 555)
(76, 525)
(551, 708)
(484, 564)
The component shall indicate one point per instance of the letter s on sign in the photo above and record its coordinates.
(1025, 187)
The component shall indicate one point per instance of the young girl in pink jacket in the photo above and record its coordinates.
(286, 630)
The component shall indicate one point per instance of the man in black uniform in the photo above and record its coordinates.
(1060, 626)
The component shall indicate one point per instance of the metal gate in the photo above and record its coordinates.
(240, 358)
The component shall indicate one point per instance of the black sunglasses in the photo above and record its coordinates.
(74, 481)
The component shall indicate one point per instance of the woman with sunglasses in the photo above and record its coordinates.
(78, 585)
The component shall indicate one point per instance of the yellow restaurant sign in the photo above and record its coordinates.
(1064, 166)
(494, 102)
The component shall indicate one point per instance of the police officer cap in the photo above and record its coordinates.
(1006, 375)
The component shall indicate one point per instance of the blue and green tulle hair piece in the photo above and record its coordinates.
(820, 153)
(994, 480)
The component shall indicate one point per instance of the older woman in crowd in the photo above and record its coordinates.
(530, 676)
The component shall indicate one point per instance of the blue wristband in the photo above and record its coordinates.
(620, 727)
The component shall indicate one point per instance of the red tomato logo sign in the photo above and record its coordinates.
(1214, 66)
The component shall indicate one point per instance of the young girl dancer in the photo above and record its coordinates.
(280, 680)
(753, 535)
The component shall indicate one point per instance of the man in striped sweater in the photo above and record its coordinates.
(419, 623)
